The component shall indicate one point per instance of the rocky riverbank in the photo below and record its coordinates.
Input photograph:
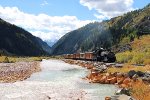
(99, 73)
(12, 72)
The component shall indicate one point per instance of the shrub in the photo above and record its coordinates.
(133, 57)
(6, 60)
(140, 53)
(124, 57)
(138, 58)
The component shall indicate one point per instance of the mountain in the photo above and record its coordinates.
(44, 45)
(116, 31)
(50, 43)
(17, 41)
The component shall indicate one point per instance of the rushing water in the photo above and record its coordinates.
(56, 81)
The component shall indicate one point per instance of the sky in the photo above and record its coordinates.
(51, 19)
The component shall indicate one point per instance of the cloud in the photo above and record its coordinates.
(49, 28)
(44, 3)
(108, 8)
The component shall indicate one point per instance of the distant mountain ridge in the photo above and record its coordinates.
(17, 41)
(106, 34)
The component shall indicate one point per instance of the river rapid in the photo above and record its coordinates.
(57, 81)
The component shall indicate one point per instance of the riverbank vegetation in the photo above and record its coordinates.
(127, 67)
(140, 53)
(12, 59)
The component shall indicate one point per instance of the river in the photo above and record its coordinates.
(56, 81)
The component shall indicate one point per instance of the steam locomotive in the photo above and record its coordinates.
(101, 55)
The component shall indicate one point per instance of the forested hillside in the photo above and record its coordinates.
(117, 31)
(17, 41)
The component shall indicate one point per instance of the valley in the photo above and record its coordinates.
(31, 69)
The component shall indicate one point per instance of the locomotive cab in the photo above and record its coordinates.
(104, 55)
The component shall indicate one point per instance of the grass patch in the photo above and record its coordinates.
(140, 53)
(140, 91)
(6, 59)
(126, 68)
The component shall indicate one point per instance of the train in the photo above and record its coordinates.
(101, 55)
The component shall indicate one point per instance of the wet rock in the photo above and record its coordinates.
(107, 98)
(123, 91)
(114, 97)
(124, 97)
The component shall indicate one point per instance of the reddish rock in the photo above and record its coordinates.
(97, 79)
(126, 81)
(107, 98)
(106, 81)
(119, 75)
(89, 67)
(120, 80)
(113, 80)
(102, 81)
(92, 75)
(107, 74)
(110, 77)
(123, 86)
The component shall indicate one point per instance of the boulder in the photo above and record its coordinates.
(101, 68)
(113, 80)
(97, 79)
(125, 75)
(134, 77)
(119, 75)
(123, 86)
(102, 81)
(120, 80)
(124, 97)
(92, 75)
(140, 74)
(114, 97)
(126, 81)
(106, 81)
(146, 77)
(131, 73)
(123, 91)
(114, 74)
